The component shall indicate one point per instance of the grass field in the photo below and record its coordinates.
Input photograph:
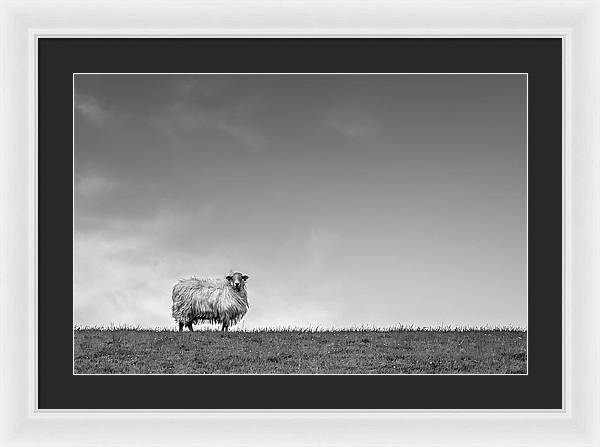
(393, 351)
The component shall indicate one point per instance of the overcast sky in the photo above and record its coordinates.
(348, 199)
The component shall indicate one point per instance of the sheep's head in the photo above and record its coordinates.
(236, 280)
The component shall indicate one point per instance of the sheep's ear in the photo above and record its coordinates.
(229, 277)
(245, 277)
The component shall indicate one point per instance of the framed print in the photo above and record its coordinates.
(323, 237)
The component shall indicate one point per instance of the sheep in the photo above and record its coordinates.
(217, 300)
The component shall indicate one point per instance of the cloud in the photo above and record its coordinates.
(94, 184)
(351, 121)
(124, 272)
(89, 108)
(205, 86)
(247, 135)
(233, 122)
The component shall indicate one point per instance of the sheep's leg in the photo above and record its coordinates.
(225, 327)
(180, 326)
(189, 326)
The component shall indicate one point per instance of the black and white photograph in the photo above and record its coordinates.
(314, 223)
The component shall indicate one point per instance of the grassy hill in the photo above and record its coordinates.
(394, 351)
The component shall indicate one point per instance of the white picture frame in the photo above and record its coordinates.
(576, 22)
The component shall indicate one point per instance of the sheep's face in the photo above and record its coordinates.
(237, 280)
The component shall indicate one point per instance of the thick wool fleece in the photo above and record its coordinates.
(208, 299)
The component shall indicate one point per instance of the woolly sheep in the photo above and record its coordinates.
(216, 300)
